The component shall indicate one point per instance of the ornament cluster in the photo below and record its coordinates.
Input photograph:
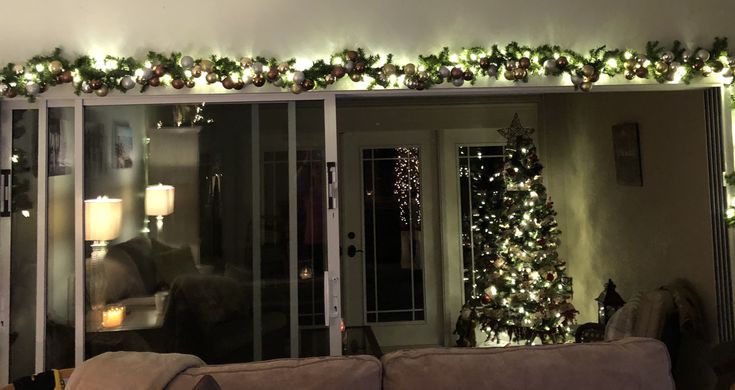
(512, 62)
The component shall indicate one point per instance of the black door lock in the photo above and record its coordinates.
(352, 251)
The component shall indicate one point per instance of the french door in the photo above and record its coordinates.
(207, 227)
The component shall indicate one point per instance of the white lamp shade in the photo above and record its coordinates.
(159, 200)
(102, 219)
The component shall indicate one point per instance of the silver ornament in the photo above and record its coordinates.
(86, 88)
(674, 66)
(702, 54)
(444, 71)
(147, 73)
(257, 67)
(278, 82)
(127, 83)
(349, 65)
(576, 80)
(667, 56)
(19, 69)
(33, 89)
(102, 92)
(298, 77)
(186, 62)
(550, 66)
(642, 59)
(492, 70)
(686, 55)
(458, 82)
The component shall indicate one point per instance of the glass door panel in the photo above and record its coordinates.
(204, 230)
(24, 165)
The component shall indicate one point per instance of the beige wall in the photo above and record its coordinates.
(641, 237)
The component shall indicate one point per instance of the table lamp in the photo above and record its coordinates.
(102, 222)
(159, 202)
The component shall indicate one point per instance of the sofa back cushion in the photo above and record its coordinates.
(632, 363)
(351, 373)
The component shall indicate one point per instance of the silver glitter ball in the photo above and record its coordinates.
(257, 67)
(349, 65)
(127, 83)
(492, 70)
(444, 71)
(147, 73)
(33, 89)
(686, 55)
(458, 82)
(667, 56)
(186, 62)
(86, 88)
(298, 77)
(550, 65)
(702, 54)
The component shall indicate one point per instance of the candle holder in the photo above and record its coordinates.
(113, 316)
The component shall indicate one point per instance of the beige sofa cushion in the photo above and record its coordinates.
(632, 363)
(351, 373)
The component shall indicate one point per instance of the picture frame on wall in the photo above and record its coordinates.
(122, 146)
(627, 152)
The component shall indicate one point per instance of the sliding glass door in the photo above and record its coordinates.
(201, 228)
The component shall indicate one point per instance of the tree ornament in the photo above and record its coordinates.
(562, 62)
(674, 65)
(246, 62)
(697, 64)
(485, 299)
(211, 78)
(258, 80)
(410, 82)
(95, 84)
(642, 59)
(296, 88)
(360, 67)
(706, 71)
(19, 69)
(595, 77)
(196, 71)
(66, 77)
(190, 83)
(629, 75)
(409, 69)
(177, 83)
(257, 67)
(102, 92)
(702, 54)
(239, 84)
(524, 62)
(731, 61)
(338, 72)
(642, 72)
(308, 84)
(283, 67)
(207, 65)
(351, 55)
(727, 73)
(422, 77)
(349, 65)
(127, 83)
(468, 75)
(457, 73)
(186, 62)
(389, 69)
(717, 66)
(55, 67)
(298, 77)
(159, 70)
(550, 66)
(278, 82)
(667, 56)
(228, 82)
(33, 89)
(356, 77)
(484, 63)
(444, 72)
(272, 74)
(670, 75)
(519, 73)
(661, 66)
(492, 70)
(509, 75)
(458, 82)
(631, 64)
(147, 73)
(686, 55)
(154, 82)
(576, 80)
(330, 79)
(3, 88)
(588, 70)
(11, 93)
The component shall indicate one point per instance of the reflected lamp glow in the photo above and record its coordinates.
(159, 202)
(102, 222)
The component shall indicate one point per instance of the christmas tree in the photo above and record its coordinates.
(522, 288)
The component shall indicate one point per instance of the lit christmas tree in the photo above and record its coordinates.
(522, 286)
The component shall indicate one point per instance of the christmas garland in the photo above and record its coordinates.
(512, 62)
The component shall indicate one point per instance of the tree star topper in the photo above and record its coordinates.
(516, 132)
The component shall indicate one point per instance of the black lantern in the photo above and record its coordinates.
(608, 302)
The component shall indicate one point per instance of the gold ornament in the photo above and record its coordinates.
(588, 70)
(102, 91)
(585, 86)
(206, 65)
(389, 69)
(283, 67)
(409, 69)
(661, 66)
(296, 88)
(55, 67)
(246, 62)
(519, 73)
(212, 78)
(196, 71)
(509, 74)
(19, 69)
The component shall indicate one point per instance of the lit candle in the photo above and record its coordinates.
(113, 316)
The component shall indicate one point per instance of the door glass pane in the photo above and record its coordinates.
(394, 287)
(191, 250)
(480, 185)
(60, 240)
(23, 243)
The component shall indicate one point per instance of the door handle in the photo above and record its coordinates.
(352, 251)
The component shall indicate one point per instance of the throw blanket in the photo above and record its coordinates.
(130, 370)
